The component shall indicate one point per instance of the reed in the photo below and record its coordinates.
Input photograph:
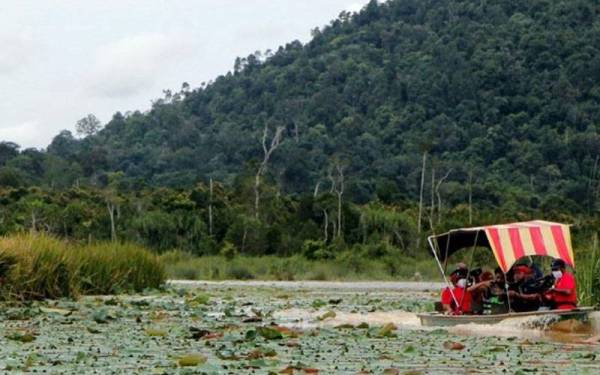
(345, 267)
(39, 266)
(588, 273)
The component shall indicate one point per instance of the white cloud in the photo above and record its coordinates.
(29, 133)
(15, 51)
(355, 7)
(132, 64)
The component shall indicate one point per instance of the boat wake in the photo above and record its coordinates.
(531, 327)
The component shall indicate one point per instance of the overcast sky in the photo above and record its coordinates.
(61, 59)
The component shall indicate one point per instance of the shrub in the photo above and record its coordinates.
(316, 250)
(228, 251)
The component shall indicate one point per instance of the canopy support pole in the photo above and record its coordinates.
(506, 291)
(470, 264)
(432, 247)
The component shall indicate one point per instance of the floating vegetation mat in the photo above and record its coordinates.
(223, 329)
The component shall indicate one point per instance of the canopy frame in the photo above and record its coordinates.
(509, 242)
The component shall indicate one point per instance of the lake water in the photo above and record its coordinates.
(278, 327)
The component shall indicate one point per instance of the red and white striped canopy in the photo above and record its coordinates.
(511, 242)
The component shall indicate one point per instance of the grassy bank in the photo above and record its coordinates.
(41, 266)
(345, 267)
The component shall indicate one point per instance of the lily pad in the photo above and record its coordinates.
(189, 360)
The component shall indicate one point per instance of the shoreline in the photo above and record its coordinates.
(421, 286)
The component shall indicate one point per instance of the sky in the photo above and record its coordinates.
(63, 59)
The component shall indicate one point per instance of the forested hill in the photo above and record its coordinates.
(502, 93)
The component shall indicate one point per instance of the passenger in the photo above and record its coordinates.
(525, 293)
(461, 302)
(480, 290)
(563, 295)
(495, 301)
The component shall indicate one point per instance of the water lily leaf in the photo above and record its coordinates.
(200, 299)
(318, 303)
(310, 370)
(191, 360)
(269, 333)
(438, 331)
(101, 316)
(62, 312)
(387, 330)
(328, 315)
(227, 355)
(155, 332)
(250, 335)
(453, 345)
(21, 337)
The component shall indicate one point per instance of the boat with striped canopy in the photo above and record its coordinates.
(509, 243)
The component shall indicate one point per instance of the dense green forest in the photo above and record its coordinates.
(484, 110)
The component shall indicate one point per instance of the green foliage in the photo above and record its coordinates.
(315, 250)
(228, 251)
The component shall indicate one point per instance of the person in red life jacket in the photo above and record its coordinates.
(457, 300)
(563, 295)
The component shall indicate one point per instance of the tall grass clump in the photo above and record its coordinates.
(108, 268)
(38, 266)
(588, 273)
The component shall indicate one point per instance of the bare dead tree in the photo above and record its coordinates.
(268, 149)
(421, 199)
(432, 206)
(338, 186)
(210, 208)
(111, 207)
(316, 191)
(326, 225)
(439, 197)
(471, 196)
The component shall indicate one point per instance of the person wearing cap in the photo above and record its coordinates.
(563, 295)
(524, 294)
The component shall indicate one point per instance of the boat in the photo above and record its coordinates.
(509, 243)
(437, 319)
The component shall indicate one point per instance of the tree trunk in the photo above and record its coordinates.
(339, 214)
(111, 213)
(33, 222)
(439, 196)
(432, 207)
(421, 199)
(210, 211)
(326, 225)
(257, 192)
(471, 197)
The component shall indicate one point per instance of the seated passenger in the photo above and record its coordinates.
(480, 289)
(525, 293)
(563, 295)
(494, 301)
(457, 300)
